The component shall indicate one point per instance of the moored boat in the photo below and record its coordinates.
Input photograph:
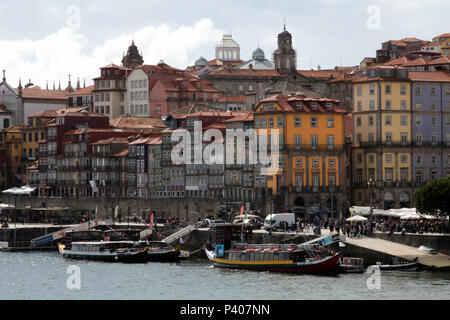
(113, 251)
(160, 251)
(275, 259)
(414, 265)
(232, 250)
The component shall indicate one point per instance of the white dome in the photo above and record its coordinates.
(227, 42)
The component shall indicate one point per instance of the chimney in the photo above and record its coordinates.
(4, 76)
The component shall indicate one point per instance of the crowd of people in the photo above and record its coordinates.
(367, 228)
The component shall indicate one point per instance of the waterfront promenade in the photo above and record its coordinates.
(437, 261)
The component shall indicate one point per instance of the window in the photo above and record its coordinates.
(403, 89)
(434, 121)
(358, 137)
(280, 122)
(404, 158)
(315, 163)
(270, 122)
(433, 160)
(371, 121)
(404, 137)
(330, 122)
(330, 142)
(434, 138)
(359, 158)
(388, 105)
(372, 89)
(418, 91)
(314, 141)
(403, 120)
(299, 163)
(371, 137)
(388, 120)
(418, 120)
(389, 173)
(359, 91)
(388, 137)
(372, 105)
(433, 106)
(314, 122)
(419, 106)
(298, 141)
(371, 158)
(403, 104)
(433, 91)
(358, 121)
(388, 89)
(329, 106)
(419, 159)
(359, 105)
(314, 106)
(389, 158)
(331, 163)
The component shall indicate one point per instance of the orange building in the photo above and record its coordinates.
(311, 174)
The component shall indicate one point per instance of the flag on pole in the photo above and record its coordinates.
(242, 210)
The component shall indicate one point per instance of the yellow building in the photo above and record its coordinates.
(444, 41)
(12, 143)
(311, 157)
(382, 136)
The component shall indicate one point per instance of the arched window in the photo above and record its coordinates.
(220, 54)
(234, 55)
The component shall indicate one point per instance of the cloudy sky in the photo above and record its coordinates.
(50, 39)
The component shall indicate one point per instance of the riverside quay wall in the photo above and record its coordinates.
(164, 208)
(440, 242)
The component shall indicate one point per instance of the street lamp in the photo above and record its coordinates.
(371, 185)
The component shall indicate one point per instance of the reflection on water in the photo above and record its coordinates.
(43, 276)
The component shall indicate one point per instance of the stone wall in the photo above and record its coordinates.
(439, 242)
(163, 208)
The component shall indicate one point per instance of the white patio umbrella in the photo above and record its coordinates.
(356, 219)
(411, 216)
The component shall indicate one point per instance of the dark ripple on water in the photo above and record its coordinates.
(43, 276)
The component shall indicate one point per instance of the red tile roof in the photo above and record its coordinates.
(244, 72)
(286, 103)
(38, 93)
(245, 117)
(434, 76)
(138, 123)
(320, 73)
(113, 140)
(82, 92)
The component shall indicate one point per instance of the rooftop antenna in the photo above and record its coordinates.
(284, 26)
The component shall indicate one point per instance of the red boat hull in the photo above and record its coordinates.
(325, 266)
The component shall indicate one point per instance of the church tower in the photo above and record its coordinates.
(285, 57)
(132, 59)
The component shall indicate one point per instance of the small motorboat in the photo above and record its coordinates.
(428, 250)
(406, 265)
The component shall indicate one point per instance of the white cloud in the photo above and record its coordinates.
(69, 52)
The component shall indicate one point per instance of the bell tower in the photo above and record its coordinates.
(285, 57)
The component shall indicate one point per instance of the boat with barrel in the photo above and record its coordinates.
(226, 252)
(112, 251)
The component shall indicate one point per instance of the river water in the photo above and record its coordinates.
(43, 276)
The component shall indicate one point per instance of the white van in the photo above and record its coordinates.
(277, 220)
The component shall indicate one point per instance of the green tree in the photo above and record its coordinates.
(434, 197)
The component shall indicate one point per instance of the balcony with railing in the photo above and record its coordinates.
(314, 148)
